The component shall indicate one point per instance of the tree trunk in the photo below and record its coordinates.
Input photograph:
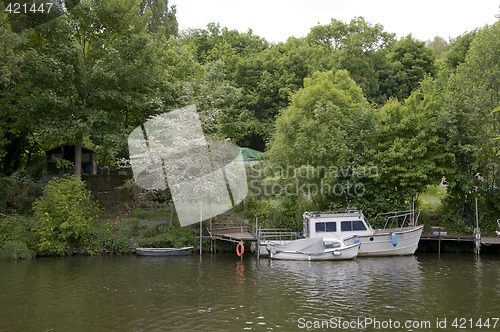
(78, 158)
(172, 214)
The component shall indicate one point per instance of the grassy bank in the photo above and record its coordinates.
(108, 233)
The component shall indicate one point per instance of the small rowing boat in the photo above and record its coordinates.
(164, 251)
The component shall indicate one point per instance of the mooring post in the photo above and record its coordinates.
(257, 235)
(439, 241)
(201, 224)
(477, 234)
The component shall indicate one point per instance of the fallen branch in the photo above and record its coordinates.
(21, 220)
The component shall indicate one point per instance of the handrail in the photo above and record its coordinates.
(326, 213)
(275, 234)
(412, 215)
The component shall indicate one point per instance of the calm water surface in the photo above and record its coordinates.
(223, 293)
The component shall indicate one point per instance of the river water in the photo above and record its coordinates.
(452, 292)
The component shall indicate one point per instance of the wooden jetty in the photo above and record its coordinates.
(486, 240)
(226, 228)
(233, 234)
(441, 236)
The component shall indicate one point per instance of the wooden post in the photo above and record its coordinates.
(78, 157)
(171, 221)
(439, 241)
(477, 234)
(211, 237)
(257, 235)
(201, 225)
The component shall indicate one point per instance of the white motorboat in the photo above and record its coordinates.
(400, 235)
(353, 226)
(313, 249)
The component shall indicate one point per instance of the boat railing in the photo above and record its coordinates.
(346, 213)
(266, 235)
(275, 234)
(400, 219)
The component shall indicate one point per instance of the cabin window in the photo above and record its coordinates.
(326, 226)
(356, 225)
(346, 226)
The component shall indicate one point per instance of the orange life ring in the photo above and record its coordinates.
(240, 249)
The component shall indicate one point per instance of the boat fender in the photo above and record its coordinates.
(336, 253)
(394, 239)
(356, 240)
(240, 249)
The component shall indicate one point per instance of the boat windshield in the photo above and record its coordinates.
(331, 244)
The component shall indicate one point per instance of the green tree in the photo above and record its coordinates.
(410, 61)
(322, 124)
(469, 86)
(89, 74)
(458, 51)
(12, 136)
(439, 45)
(161, 17)
(323, 131)
(409, 147)
(473, 93)
(237, 56)
(63, 216)
(359, 47)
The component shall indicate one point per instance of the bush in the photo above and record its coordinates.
(12, 230)
(106, 238)
(18, 192)
(15, 250)
(174, 237)
(63, 216)
(461, 220)
(282, 212)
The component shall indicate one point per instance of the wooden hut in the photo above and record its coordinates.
(67, 152)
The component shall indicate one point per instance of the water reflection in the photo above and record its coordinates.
(351, 288)
(224, 293)
(240, 269)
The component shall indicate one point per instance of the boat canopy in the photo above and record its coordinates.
(308, 246)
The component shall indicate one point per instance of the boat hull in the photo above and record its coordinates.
(345, 253)
(164, 251)
(380, 243)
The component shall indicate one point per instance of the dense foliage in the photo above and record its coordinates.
(63, 216)
(348, 113)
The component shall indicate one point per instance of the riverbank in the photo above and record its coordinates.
(119, 231)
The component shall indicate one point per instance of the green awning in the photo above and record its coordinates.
(250, 154)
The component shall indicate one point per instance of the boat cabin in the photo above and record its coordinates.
(321, 224)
